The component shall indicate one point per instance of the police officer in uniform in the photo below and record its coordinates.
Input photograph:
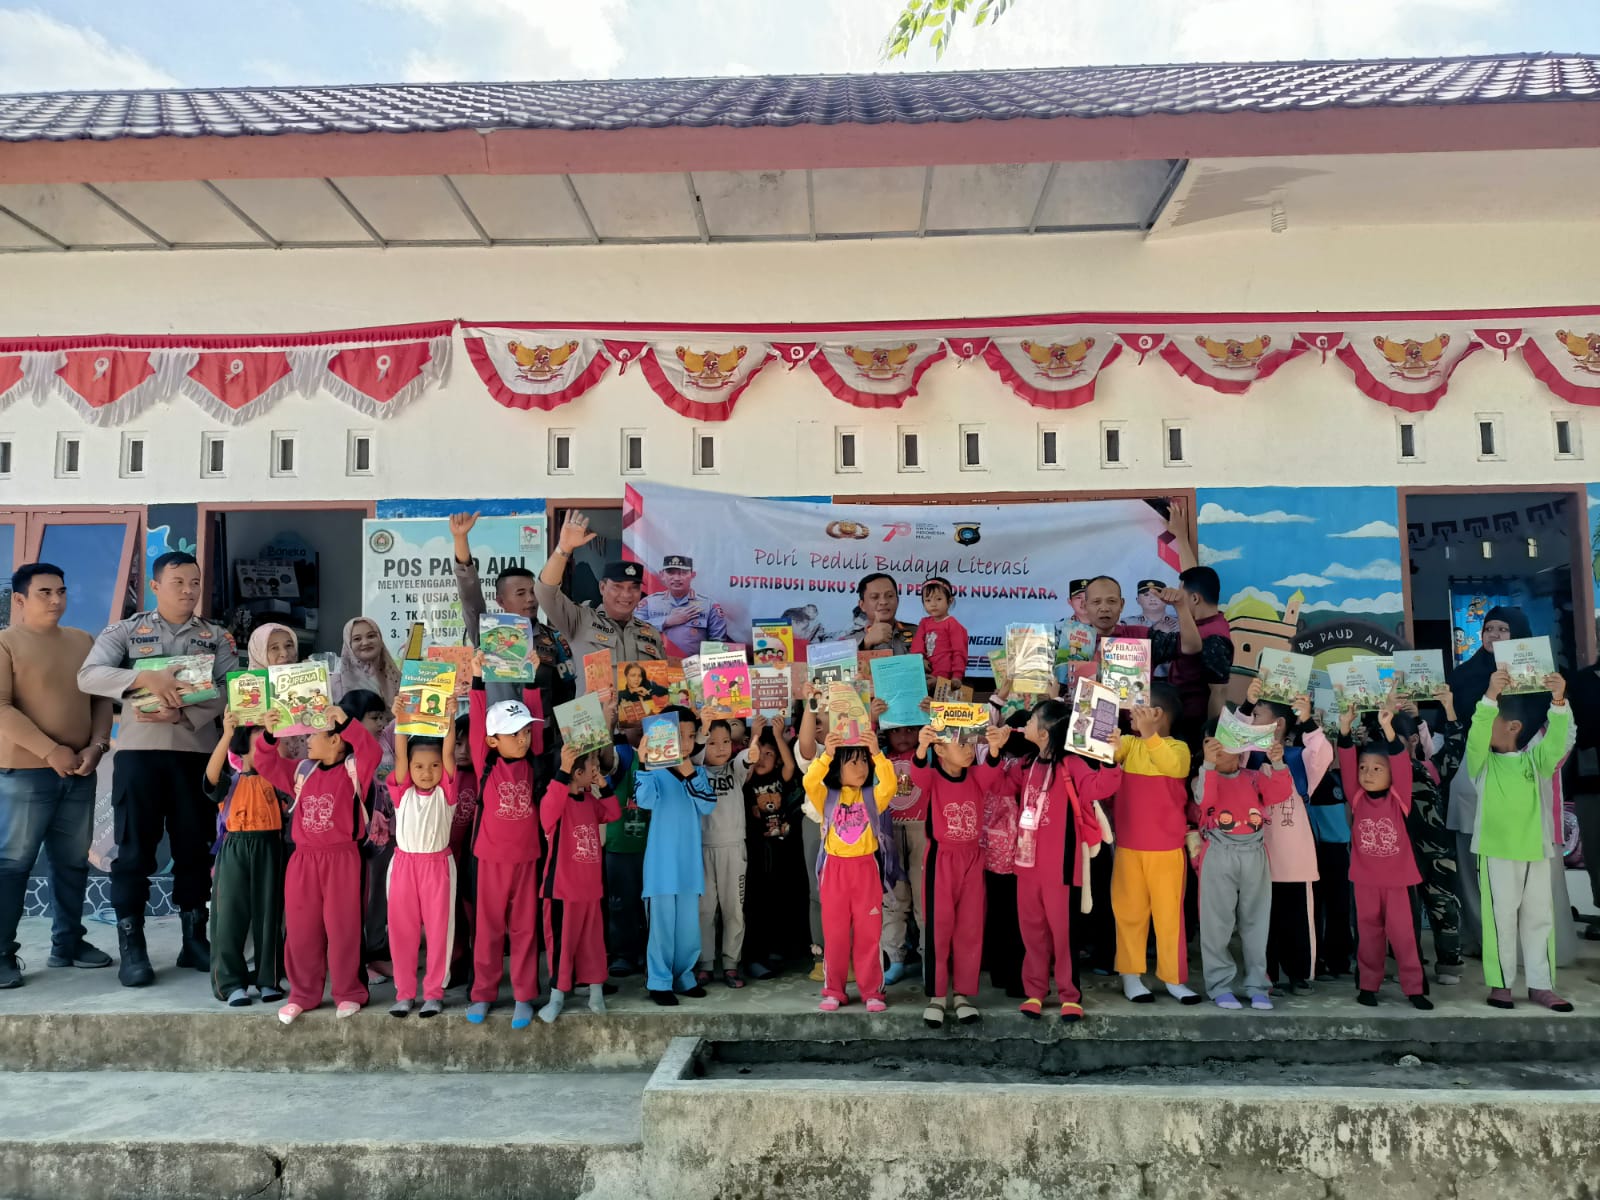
(612, 626)
(684, 617)
(158, 775)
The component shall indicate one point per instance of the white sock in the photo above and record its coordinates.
(597, 998)
(1133, 987)
(552, 1010)
(1178, 990)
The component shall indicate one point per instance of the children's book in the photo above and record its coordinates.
(692, 672)
(1237, 733)
(583, 724)
(956, 721)
(1285, 677)
(1075, 650)
(507, 645)
(1031, 653)
(597, 672)
(831, 662)
(425, 687)
(641, 689)
(847, 714)
(660, 747)
(249, 696)
(1417, 673)
(1528, 660)
(195, 684)
(677, 688)
(299, 695)
(1125, 669)
(726, 684)
(460, 660)
(1325, 708)
(772, 643)
(769, 691)
(1094, 721)
(1357, 684)
(901, 681)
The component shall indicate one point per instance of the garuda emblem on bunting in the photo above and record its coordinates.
(1406, 369)
(529, 369)
(703, 380)
(1054, 368)
(875, 375)
(1228, 362)
(1566, 359)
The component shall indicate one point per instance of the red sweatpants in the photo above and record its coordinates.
(322, 925)
(508, 903)
(1383, 915)
(953, 898)
(575, 932)
(1044, 911)
(852, 925)
(422, 900)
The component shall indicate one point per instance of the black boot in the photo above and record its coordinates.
(196, 950)
(135, 969)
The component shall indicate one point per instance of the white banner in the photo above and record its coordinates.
(408, 571)
(801, 560)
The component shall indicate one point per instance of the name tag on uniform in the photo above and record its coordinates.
(145, 646)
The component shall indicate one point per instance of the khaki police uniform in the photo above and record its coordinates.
(590, 629)
(158, 774)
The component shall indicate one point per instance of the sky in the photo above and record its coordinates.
(80, 44)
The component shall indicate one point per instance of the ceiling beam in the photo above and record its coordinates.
(699, 209)
(1044, 195)
(927, 194)
(1162, 212)
(241, 216)
(811, 205)
(356, 214)
(577, 203)
(55, 242)
(127, 216)
(466, 210)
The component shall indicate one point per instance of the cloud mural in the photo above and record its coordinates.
(1219, 514)
(1210, 557)
(1378, 568)
(1372, 529)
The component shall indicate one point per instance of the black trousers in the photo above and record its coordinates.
(1096, 930)
(249, 902)
(1335, 934)
(625, 920)
(156, 792)
(1002, 937)
(1289, 932)
(776, 900)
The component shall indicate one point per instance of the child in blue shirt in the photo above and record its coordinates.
(674, 873)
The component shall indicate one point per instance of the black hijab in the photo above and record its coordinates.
(1470, 680)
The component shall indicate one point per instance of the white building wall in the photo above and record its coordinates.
(1306, 425)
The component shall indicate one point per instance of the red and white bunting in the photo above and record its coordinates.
(235, 385)
(381, 376)
(108, 385)
(1404, 365)
(13, 377)
(704, 377)
(1053, 368)
(524, 368)
(1565, 356)
(1228, 360)
(879, 373)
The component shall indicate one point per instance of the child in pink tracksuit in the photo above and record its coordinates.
(422, 875)
(952, 876)
(1377, 787)
(322, 889)
(574, 889)
(940, 638)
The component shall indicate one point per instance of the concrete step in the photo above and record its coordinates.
(113, 1135)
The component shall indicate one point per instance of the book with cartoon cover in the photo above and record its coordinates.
(1358, 684)
(195, 684)
(1418, 673)
(1125, 669)
(1527, 661)
(249, 696)
(1030, 654)
(1239, 735)
(1093, 721)
(847, 714)
(507, 645)
(958, 721)
(772, 643)
(583, 723)
(726, 685)
(459, 659)
(300, 698)
(1285, 677)
(769, 691)
(659, 746)
(425, 690)
(831, 662)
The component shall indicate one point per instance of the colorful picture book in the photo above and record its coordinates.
(1031, 653)
(864, 682)
(1358, 684)
(660, 746)
(249, 696)
(597, 671)
(299, 695)
(583, 724)
(678, 688)
(641, 689)
(1238, 734)
(1125, 669)
(460, 660)
(772, 643)
(847, 714)
(725, 682)
(769, 691)
(831, 662)
(901, 682)
(692, 672)
(957, 721)
(1075, 650)
(425, 690)
(1093, 721)
(1528, 661)
(195, 683)
(1285, 677)
(1418, 673)
(507, 645)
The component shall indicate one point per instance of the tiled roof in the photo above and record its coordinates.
(779, 100)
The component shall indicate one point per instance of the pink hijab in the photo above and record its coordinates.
(260, 636)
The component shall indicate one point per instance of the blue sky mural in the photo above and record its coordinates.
(1340, 547)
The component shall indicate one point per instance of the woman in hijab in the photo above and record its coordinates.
(272, 645)
(365, 662)
(1471, 679)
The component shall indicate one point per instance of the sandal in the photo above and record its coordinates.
(933, 1015)
(732, 978)
(702, 976)
(1031, 1007)
(966, 1010)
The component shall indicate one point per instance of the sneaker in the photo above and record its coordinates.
(239, 998)
(1302, 987)
(1500, 998)
(876, 1005)
(271, 995)
(1549, 999)
(759, 971)
(346, 1010)
(1262, 1003)
(894, 974)
(665, 999)
(1226, 1000)
(1031, 1007)
(828, 1004)
(1421, 1002)
(1367, 999)
(84, 956)
(1447, 976)
(10, 971)
(1071, 1012)
(289, 1012)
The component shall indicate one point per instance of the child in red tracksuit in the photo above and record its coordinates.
(422, 874)
(940, 638)
(322, 889)
(952, 877)
(1377, 788)
(574, 889)
(1055, 828)
(464, 816)
(505, 739)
